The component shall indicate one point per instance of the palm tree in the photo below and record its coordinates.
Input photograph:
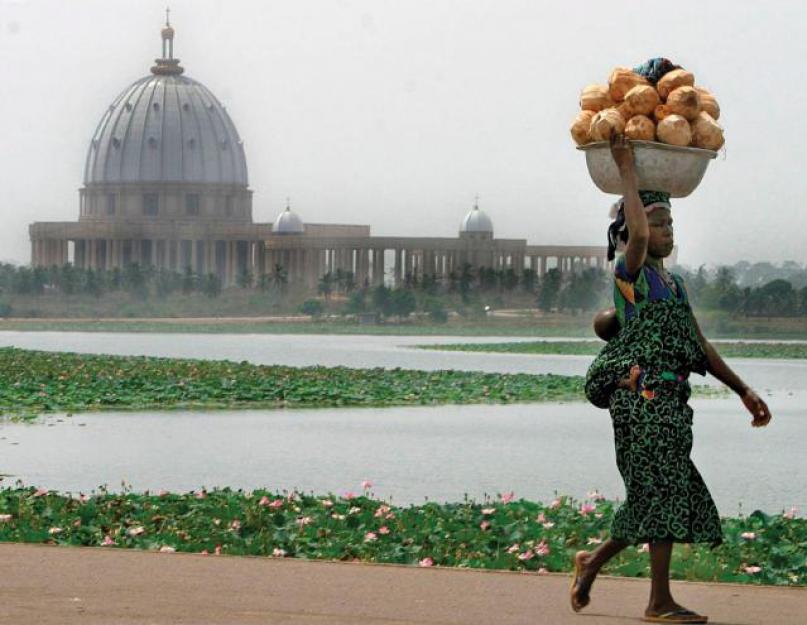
(279, 278)
(325, 287)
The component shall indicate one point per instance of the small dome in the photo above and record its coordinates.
(476, 221)
(288, 222)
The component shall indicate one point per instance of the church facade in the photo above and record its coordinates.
(166, 185)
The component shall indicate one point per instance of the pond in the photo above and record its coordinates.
(409, 453)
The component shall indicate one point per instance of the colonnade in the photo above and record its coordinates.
(306, 261)
(223, 257)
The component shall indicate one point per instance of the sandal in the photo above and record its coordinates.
(577, 602)
(677, 616)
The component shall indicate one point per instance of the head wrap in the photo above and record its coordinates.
(618, 230)
(654, 69)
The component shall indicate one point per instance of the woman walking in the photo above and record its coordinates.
(641, 376)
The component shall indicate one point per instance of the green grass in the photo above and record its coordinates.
(590, 348)
(33, 382)
(500, 534)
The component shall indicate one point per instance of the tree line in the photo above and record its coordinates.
(585, 290)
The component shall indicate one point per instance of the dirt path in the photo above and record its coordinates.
(70, 585)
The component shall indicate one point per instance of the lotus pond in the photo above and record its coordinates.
(33, 382)
(502, 533)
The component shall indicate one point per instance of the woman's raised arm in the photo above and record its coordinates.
(635, 217)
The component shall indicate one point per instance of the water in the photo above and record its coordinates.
(409, 453)
(365, 351)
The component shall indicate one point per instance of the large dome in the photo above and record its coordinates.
(166, 128)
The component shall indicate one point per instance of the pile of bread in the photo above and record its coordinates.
(674, 111)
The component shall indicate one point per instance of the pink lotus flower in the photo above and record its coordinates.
(543, 571)
(4, 518)
(555, 504)
(264, 501)
(276, 504)
(384, 530)
(167, 549)
(366, 485)
(542, 549)
(484, 525)
(135, 531)
(752, 569)
(389, 515)
(548, 525)
(107, 542)
(235, 525)
(278, 553)
(507, 497)
(381, 511)
(791, 514)
(527, 555)
(541, 518)
(217, 550)
(748, 536)
(488, 510)
(348, 496)
(644, 548)
(327, 503)
(370, 537)
(55, 530)
(41, 492)
(426, 562)
(587, 508)
(513, 548)
(303, 521)
(200, 494)
(596, 496)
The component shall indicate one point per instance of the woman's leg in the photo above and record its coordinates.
(592, 562)
(661, 599)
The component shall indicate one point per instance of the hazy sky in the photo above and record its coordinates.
(396, 113)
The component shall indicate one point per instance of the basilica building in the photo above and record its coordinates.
(166, 185)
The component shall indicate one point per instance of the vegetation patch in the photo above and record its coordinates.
(504, 533)
(33, 382)
(591, 348)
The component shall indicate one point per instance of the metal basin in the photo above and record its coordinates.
(660, 167)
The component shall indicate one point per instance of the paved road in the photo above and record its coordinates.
(43, 584)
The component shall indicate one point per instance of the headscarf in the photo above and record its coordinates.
(654, 69)
(618, 230)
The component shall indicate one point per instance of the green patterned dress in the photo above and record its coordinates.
(667, 499)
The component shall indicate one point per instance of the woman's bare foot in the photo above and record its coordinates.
(583, 579)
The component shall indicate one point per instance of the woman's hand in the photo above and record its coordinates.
(632, 381)
(622, 152)
(757, 407)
